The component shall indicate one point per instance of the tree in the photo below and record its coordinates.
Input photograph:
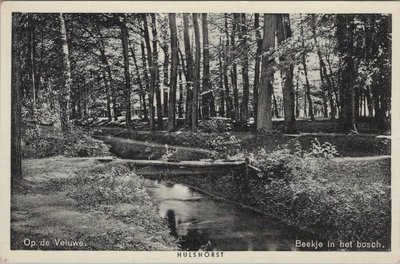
(345, 27)
(284, 33)
(196, 77)
(244, 107)
(139, 82)
(156, 72)
(174, 71)
(257, 65)
(153, 71)
(16, 171)
(307, 87)
(264, 113)
(189, 70)
(65, 89)
(206, 87)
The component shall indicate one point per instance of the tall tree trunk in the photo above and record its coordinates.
(196, 78)
(16, 170)
(139, 81)
(65, 90)
(221, 82)
(283, 33)
(164, 47)
(156, 72)
(234, 67)
(226, 60)
(153, 72)
(127, 90)
(174, 71)
(275, 105)
(264, 111)
(32, 64)
(180, 100)
(323, 72)
(206, 88)
(189, 71)
(257, 65)
(244, 108)
(344, 33)
(109, 117)
(145, 73)
(308, 89)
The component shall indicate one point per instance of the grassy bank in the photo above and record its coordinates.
(345, 199)
(84, 205)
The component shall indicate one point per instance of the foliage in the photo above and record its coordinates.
(76, 144)
(215, 125)
(302, 192)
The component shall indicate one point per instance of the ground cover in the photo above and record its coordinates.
(85, 205)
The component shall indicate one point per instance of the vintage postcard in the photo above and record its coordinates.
(204, 132)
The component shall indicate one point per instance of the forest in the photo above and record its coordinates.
(302, 102)
(250, 68)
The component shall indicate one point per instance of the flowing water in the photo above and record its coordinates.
(202, 222)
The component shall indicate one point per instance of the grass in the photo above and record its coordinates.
(102, 207)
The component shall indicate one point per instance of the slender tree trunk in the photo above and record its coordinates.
(189, 71)
(234, 67)
(264, 111)
(146, 76)
(196, 79)
(180, 101)
(274, 101)
(153, 72)
(16, 170)
(109, 117)
(221, 83)
(32, 53)
(344, 33)
(139, 81)
(206, 88)
(226, 61)
(156, 72)
(257, 66)
(323, 72)
(165, 79)
(174, 71)
(127, 90)
(65, 90)
(308, 89)
(283, 33)
(244, 108)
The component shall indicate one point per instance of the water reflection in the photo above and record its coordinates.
(201, 222)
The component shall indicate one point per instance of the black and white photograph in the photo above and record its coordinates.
(200, 133)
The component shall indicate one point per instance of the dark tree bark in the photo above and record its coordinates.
(264, 111)
(283, 33)
(153, 72)
(32, 64)
(16, 171)
(323, 72)
(65, 90)
(234, 67)
(145, 73)
(156, 72)
(180, 100)
(221, 81)
(164, 47)
(139, 81)
(257, 66)
(345, 26)
(189, 71)
(206, 88)
(196, 77)
(109, 117)
(127, 90)
(226, 60)
(174, 71)
(244, 107)
(308, 89)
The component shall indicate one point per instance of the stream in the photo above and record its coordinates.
(202, 222)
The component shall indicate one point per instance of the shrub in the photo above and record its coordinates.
(300, 191)
(74, 144)
(215, 125)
